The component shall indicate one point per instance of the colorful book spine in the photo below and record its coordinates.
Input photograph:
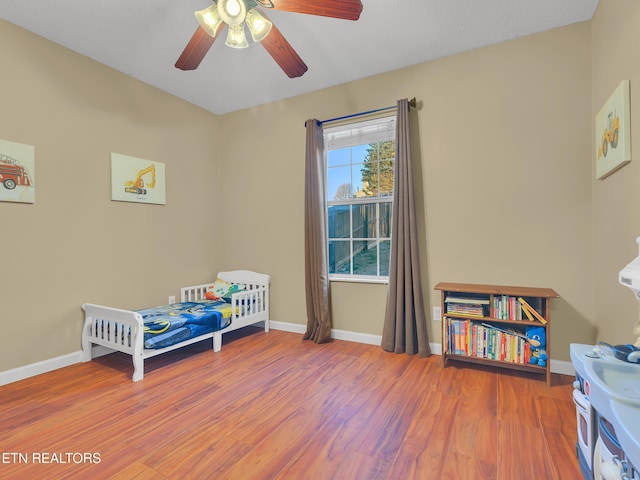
(475, 339)
(505, 307)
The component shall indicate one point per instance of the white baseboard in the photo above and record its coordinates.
(367, 338)
(557, 366)
(562, 367)
(20, 373)
(287, 327)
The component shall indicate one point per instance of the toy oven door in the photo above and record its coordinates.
(585, 427)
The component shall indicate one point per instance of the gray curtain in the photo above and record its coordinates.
(315, 238)
(405, 325)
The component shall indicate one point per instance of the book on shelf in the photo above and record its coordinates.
(472, 310)
(473, 301)
(506, 307)
(529, 309)
(473, 339)
(467, 305)
(528, 314)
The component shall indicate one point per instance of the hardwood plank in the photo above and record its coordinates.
(324, 456)
(558, 421)
(470, 468)
(270, 405)
(197, 453)
(396, 411)
(526, 450)
(474, 437)
(137, 471)
(428, 438)
(516, 402)
(270, 456)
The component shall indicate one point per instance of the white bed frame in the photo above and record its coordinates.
(123, 330)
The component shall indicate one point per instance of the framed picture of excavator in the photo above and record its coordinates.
(137, 180)
(613, 132)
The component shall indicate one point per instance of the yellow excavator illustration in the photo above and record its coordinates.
(610, 134)
(137, 186)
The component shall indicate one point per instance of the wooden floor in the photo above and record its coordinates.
(271, 406)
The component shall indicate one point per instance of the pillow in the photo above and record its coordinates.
(222, 290)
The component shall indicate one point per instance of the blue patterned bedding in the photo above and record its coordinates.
(170, 324)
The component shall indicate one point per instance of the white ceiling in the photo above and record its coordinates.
(144, 38)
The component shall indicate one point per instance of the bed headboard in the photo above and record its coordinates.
(250, 279)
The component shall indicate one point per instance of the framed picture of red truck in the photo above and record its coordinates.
(17, 172)
(613, 132)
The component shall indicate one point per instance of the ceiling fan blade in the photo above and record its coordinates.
(196, 49)
(283, 53)
(345, 9)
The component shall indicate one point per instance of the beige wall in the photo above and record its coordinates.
(502, 143)
(616, 199)
(74, 245)
(501, 158)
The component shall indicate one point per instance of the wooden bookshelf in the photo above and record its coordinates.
(487, 324)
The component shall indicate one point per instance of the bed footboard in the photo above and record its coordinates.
(120, 330)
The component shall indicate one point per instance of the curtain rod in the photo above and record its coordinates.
(412, 104)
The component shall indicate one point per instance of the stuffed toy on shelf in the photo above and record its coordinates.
(539, 353)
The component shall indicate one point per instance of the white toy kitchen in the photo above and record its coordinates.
(607, 398)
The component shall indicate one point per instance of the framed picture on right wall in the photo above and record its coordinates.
(613, 132)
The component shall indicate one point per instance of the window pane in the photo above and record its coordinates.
(386, 178)
(369, 177)
(360, 185)
(374, 152)
(341, 156)
(383, 154)
(339, 256)
(385, 219)
(338, 221)
(365, 257)
(386, 150)
(377, 170)
(359, 153)
(339, 183)
(364, 220)
(385, 251)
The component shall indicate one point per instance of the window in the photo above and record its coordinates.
(360, 170)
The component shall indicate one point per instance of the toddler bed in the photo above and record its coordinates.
(236, 299)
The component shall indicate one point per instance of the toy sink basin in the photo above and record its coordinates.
(620, 379)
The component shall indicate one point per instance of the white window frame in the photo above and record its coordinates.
(354, 134)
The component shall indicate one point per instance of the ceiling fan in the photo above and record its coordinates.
(237, 13)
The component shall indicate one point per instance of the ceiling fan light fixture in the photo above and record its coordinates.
(233, 12)
(209, 19)
(236, 37)
(258, 24)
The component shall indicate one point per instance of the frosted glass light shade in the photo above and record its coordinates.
(258, 24)
(236, 37)
(232, 12)
(209, 19)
